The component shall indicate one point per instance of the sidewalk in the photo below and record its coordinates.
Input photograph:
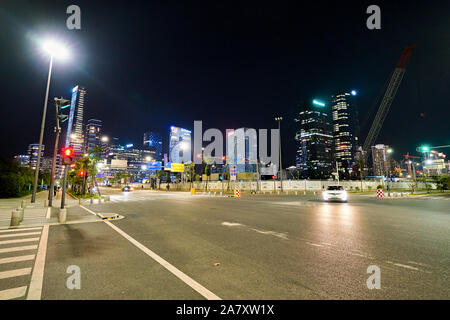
(36, 214)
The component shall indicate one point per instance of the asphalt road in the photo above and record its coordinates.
(255, 247)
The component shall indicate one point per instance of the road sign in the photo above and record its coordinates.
(154, 165)
(177, 167)
(237, 193)
(233, 172)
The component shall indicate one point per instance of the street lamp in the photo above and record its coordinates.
(279, 143)
(54, 49)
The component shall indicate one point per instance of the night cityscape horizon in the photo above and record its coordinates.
(249, 152)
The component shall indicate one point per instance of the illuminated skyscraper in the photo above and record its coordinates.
(244, 156)
(179, 145)
(153, 141)
(92, 135)
(381, 160)
(74, 136)
(345, 128)
(32, 153)
(314, 157)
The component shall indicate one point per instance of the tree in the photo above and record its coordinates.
(190, 168)
(15, 181)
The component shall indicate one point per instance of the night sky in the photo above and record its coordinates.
(147, 65)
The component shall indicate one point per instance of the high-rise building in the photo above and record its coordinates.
(381, 160)
(153, 141)
(74, 136)
(345, 129)
(33, 150)
(23, 160)
(179, 145)
(92, 136)
(314, 157)
(245, 157)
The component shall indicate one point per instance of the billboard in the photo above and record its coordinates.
(154, 165)
(177, 167)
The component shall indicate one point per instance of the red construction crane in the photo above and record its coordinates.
(389, 96)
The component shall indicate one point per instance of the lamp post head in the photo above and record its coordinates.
(55, 49)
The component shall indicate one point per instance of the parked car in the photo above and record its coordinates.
(127, 189)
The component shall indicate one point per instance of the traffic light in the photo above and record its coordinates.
(82, 173)
(220, 177)
(67, 154)
(424, 148)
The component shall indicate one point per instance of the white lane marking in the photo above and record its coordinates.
(13, 293)
(19, 240)
(265, 232)
(22, 248)
(88, 210)
(20, 229)
(272, 233)
(403, 266)
(232, 224)
(17, 259)
(15, 273)
(314, 244)
(19, 234)
(49, 211)
(35, 291)
(419, 264)
(183, 277)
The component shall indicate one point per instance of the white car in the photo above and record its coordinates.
(335, 193)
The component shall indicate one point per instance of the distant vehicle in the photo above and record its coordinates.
(335, 193)
(127, 189)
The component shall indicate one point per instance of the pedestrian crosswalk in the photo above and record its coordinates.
(18, 249)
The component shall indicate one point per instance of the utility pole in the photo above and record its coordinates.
(63, 197)
(41, 136)
(279, 142)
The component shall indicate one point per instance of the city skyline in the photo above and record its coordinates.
(365, 71)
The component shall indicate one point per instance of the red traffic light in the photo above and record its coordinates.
(82, 173)
(68, 155)
(68, 152)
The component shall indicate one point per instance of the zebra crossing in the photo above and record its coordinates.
(18, 250)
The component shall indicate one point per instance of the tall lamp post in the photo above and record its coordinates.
(54, 50)
(279, 143)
